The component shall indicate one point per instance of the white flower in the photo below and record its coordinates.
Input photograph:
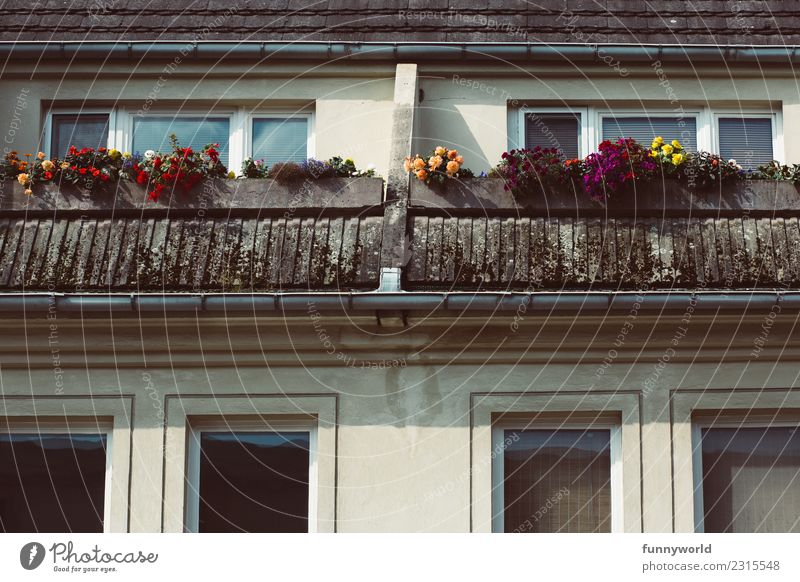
(732, 162)
(149, 154)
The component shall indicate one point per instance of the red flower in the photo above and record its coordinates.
(141, 178)
(82, 171)
(104, 177)
(48, 175)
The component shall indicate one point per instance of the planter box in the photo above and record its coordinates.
(489, 194)
(223, 194)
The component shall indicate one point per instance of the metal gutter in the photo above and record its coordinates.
(397, 51)
(443, 303)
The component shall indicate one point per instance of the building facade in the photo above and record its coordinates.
(366, 355)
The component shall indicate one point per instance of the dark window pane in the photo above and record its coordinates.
(748, 140)
(52, 482)
(557, 481)
(643, 129)
(80, 130)
(553, 130)
(751, 479)
(254, 482)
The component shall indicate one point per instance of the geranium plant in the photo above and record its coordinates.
(442, 164)
(181, 168)
(90, 169)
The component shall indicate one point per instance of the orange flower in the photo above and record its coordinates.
(28, 192)
(419, 163)
(459, 159)
(439, 151)
(452, 154)
(40, 155)
(453, 167)
(407, 164)
(434, 162)
(422, 175)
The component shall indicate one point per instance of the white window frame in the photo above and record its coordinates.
(584, 139)
(697, 455)
(774, 115)
(279, 114)
(76, 427)
(700, 115)
(127, 118)
(48, 126)
(233, 425)
(498, 464)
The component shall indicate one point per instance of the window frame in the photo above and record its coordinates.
(198, 426)
(93, 427)
(761, 113)
(279, 114)
(498, 464)
(584, 137)
(700, 114)
(125, 135)
(111, 141)
(698, 425)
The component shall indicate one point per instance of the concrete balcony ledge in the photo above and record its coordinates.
(653, 199)
(332, 193)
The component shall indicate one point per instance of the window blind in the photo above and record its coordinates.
(644, 128)
(748, 140)
(751, 479)
(81, 130)
(554, 130)
(278, 139)
(152, 133)
(557, 481)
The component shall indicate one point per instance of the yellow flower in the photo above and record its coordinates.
(349, 161)
(22, 179)
(677, 159)
(676, 144)
(439, 151)
(127, 155)
(231, 175)
(64, 165)
(659, 140)
(655, 145)
(667, 149)
(40, 155)
(114, 153)
(653, 153)
(28, 192)
(47, 165)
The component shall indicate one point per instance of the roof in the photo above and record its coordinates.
(773, 22)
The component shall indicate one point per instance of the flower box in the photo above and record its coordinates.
(488, 194)
(217, 193)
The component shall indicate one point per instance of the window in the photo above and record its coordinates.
(152, 133)
(83, 130)
(560, 479)
(644, 128)
(747, 477)
(280, 139)
(561, 131)
(251, 478)
(748, 140)
(54, 481)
